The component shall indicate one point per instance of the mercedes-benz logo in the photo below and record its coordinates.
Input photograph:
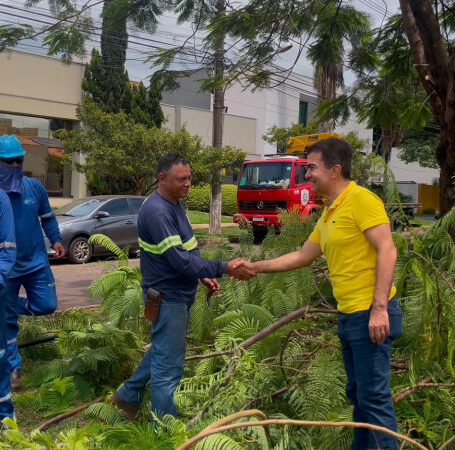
(260, 204)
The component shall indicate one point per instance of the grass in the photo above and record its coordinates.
(197, 217)
(226, 232)
(422, 221)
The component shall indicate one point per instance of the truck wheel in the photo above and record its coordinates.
(259, 234)
(79, 251)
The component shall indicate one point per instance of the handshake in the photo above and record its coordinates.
(241, 269)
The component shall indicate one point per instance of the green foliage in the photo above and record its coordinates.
(279, 136)
(116, 147)
(57, 396)
(387, 93)
(302, 358)
(68, 39)
(114, 142)
(94, 81)
(419, 147)
(199, 199)
(114, 42)
(109, 244)
(106, 83)
(10, 35)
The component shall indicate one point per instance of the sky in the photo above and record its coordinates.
(170, 33)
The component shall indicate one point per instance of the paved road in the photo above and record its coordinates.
(72, 281)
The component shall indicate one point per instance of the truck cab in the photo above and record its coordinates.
(276, 183)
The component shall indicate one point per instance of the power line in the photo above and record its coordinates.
(95, 33)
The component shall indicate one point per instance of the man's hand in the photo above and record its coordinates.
(212, 285)
(240, 269)
(379, 326)
(59, 250)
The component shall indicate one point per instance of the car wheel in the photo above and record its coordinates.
(79, 251)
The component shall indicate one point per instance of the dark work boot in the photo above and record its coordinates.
(129, 409)
(16, 380)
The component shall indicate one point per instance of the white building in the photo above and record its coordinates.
(291, 102)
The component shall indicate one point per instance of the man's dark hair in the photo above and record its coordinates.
(334, 151)
(167, 161)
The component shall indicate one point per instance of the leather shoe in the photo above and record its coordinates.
(129, 409)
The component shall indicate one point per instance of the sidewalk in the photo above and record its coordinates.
(58, 202)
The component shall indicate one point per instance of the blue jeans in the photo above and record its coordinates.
(41, 300)
(163, 362)
(368, 370)
(6, 404)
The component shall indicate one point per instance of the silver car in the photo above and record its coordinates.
(112, 215)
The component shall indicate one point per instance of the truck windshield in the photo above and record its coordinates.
(266, 175)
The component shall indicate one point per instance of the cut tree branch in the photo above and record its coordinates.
(263, 333)
(273, 394)
(190, 443)
(406, 392)
(60, 417)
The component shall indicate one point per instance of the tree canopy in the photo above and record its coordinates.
(114, 145)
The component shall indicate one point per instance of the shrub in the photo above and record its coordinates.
(229, 199)
(199, 199)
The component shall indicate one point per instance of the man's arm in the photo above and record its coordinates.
(49, 221)
(300, 258)
(190, 263)
(7, 240)
(380, 237)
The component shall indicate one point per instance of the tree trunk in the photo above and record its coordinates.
(436, 69)
(390, 138)
(323, 93)
(445, 154)
(386, 145)
(215, 209)
(217, 134)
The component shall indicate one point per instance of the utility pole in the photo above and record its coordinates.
(217, 132)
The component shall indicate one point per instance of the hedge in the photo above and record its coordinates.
(199, 199)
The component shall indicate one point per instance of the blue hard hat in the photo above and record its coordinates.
(10, 147)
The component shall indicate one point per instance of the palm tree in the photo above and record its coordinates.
(333, 26)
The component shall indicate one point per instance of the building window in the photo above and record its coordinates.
(24, 126)
(303, 113)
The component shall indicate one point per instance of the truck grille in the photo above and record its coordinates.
(267, 205)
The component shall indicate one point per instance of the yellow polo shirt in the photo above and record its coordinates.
(350, 256)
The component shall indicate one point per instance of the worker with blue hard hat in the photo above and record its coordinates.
(7, 259)
(31, 210)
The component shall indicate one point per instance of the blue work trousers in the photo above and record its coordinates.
(163, 362)
(41, 300)
(368, 370)
(6, 404)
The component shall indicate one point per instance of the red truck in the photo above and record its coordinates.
(270, 185)
(278, 183)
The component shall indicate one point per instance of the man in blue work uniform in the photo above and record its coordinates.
(171, 263)
(7, 259)
(30, 204)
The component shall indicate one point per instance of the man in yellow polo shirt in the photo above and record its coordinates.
(354, 235)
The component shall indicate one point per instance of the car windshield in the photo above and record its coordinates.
(79, 208)
(266, 175)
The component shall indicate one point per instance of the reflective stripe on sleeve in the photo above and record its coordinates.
(190, 245)
(45, 216)
(7, 245)
(162, 247)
